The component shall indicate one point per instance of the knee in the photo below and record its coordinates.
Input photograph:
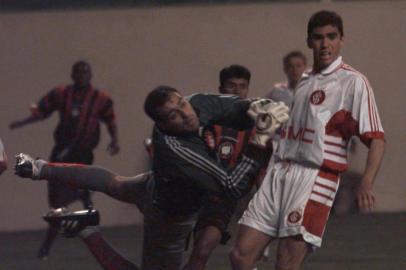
(290, 258)
(204, 250)
(240, 259)
(284, 261)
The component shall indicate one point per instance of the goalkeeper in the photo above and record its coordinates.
(185, 170)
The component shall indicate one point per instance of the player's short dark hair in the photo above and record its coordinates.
(323, 18)
(156, 99)
(80, 63)
(293, 54)
(234, 71)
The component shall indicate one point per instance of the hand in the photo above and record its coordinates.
(15, 124)
(113, 148)
(270, 117)
(365, 197)
(257, 107)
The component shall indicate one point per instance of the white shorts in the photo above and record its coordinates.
(293, 200)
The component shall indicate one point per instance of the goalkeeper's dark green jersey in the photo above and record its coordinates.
(186, 169)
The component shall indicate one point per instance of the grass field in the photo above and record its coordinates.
(354, 242)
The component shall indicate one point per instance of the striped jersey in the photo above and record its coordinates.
(80, 114)
(328, 109)
(186, 169)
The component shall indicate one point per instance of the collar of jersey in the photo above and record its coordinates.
(333, 66)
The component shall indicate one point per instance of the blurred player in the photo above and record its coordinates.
(81, 108)
(294, 64)
(332, 103)
(229, 144)
(3, 158)
(185, 171)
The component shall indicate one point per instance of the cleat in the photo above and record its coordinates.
(71, 223)
(27, 167)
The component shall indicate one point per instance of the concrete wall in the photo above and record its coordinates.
(132, 51)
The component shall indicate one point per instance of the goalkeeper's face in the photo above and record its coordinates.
(177, 116)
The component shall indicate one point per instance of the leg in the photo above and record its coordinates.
(165, 236)
(107, 256)
(249, 247)
(211, 230)
(206, 241)
(291, 253)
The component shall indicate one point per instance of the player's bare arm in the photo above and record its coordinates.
(22, 122)
(365, 196)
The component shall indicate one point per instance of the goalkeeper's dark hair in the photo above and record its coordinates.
(234, 71)
(156, 99)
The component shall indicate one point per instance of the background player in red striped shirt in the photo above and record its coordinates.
(228, 143)
(81, 108)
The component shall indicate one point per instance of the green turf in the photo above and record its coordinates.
(355, 242)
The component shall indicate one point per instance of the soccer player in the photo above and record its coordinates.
(185, 170)
(3, 158)
(81, 108)
(294, 64)
(332, 103)
(211, 227)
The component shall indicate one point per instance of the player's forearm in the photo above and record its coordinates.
(374, 160)
(113, 132)
(22, 122)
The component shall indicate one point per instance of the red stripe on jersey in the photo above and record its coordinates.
(368, 136)
(60, 164)
(334, 166)
(315, 217)
(217, 135)
(83, 114)
(333, 176)
(335, 154)
(342, 125)
(323, 195)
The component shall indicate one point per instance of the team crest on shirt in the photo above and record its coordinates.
(294, 216)
(317, 97)
(226, 150)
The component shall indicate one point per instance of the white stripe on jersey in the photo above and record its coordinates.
(325, 191)
(333, 148)
(334, 139)
(333, 156)
(327, 182)
(321, 199)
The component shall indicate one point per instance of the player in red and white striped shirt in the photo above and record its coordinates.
(332, 103)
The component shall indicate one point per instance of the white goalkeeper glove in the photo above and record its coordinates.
(268, 116)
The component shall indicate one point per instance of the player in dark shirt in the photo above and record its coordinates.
(185, 172)
(229, 144)
(81, 108)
